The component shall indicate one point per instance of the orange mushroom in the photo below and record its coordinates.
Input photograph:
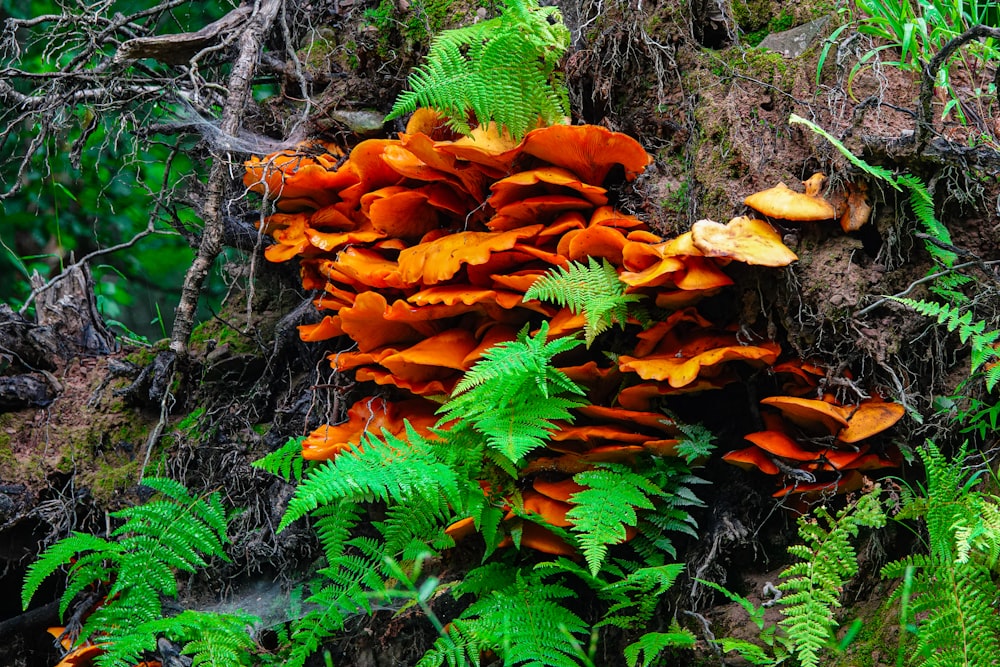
(435, 261)
(557, 490)
(681, 363)
(779, 444)
(541, 181)
(752, 458)
(368, 415)
(787, 204)
(869, 418)
(810, 414)
(588, 151)
(744, 239)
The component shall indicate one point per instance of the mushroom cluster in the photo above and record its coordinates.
(850, 208)
(421, 249)
(817, 445)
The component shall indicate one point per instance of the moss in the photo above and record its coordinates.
(413, 27)
(763, 65)
(213, 333)
(752, 16)
(144, 356)
(7, 459)
(779, 23)
(873, 644)
(113, 476)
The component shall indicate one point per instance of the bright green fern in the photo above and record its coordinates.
(593, 289)
(501, 70)
(513, 394)
(812, 586)
(982, 342)
(938, 239)
(608, 505)
(136, 569)
(517, 614)
(952, 588)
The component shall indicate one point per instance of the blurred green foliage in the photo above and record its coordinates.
(68, 208)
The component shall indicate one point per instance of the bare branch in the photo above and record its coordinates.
(250, 43)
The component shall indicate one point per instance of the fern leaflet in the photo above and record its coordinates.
(953, 592)
(602, 511)
(512, 395)
(593, 289)
(285, 462)
(812, 586)
(983, 344)
(501, 70)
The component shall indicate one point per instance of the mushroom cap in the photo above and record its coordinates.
(561, 490)
(787, 204)
(328, 327)
(541, 208)
(743, 239)
(550, 509)
(598, 242)
(809, 413)
(869, 418)
(751, 458)
(540, 181)
(459, 530)
(432, 262)
(540, 539)
(779, 444)
(851, 481)
(685, 365)
(609, 216)
(589, 151)
(368, 415)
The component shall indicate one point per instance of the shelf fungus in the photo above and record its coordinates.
(743, 239)
(418, 251)
(815, 446)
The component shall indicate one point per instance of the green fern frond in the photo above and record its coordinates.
(333, 523)
(696, 442)
(524, 623)
(513, 394)
(593, 289)
(606, 506)
(344, 588)
(645, 651)
(175, 531)
(211, 639)
(826, 561)
(285, 462)
(457, 647)
(923, 208)
(673, 508)
(982, 343)
(381, 469)
(920, 201)
(412, 529)
(501, 70)
(878, 172)
(634, 597)
(61, 554)
(523, 361)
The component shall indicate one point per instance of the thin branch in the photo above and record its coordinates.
(239, 85)
(925, 279)
(929, 76)
(86, 258)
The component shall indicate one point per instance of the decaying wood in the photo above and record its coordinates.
(179, 48)
(67, 306)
